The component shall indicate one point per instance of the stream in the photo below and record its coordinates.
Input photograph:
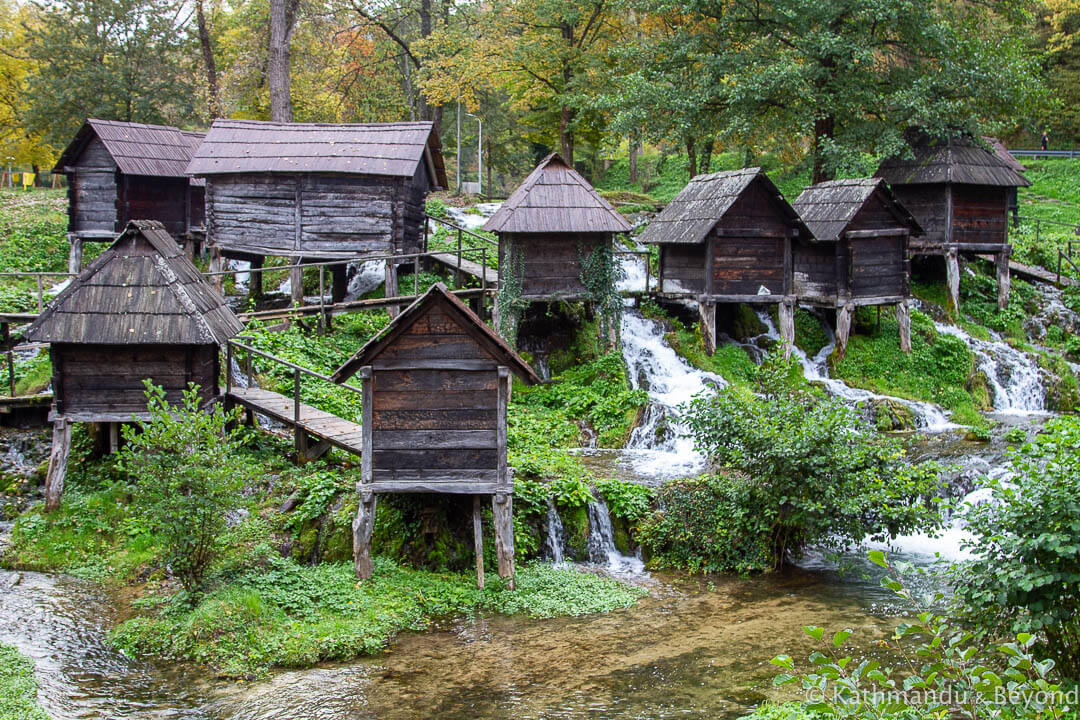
(693, 648)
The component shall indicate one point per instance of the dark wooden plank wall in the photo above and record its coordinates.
(741, 264)
(980, 214)
(815, 270)
(551, 262)
(878, 265)
(155, 198)
(92, 191)
(197, 212)
(684, 266)
(246, 209)
(929, 204)
(413, 205)
(108, 379)
(434, 425)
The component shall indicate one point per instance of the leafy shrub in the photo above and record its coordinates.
(186, 474)
(1025, 573)
(18, 689)
(626, 500)
(944, 672)
(823, 477)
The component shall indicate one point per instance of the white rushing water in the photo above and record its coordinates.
(1014, 377)
(659, 446)
(601, 544)
(367, 276)
(472, 220)
(556, 534)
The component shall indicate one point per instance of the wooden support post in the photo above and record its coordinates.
(843, 329)
(391, 286)
(903, 321)
(707, 311)
(299, 435)
(786, 312)
(952, 279)
(339, 283)
(255, 278)
(322, 299)
(217, 264)
(1003, 279)
(58, 459)
(478, 540)
(296, 284)
(503, 511)
(364, 522)
(75, 254)
(114, 437)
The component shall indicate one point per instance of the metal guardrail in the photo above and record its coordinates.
(1045, 153)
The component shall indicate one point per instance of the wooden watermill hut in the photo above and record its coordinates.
(960, 193)
(120, 171)
(313, 191)
(140, 310)
(547, 225)
(858, 254)
(436, 383)
(727, 238)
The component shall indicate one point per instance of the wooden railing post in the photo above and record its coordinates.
(322, 299)
(298, 433)
(647, 271)
(5, 328)
(457, 277)
(483, 272)
(416, 275)
(228, 366)
(40, 295)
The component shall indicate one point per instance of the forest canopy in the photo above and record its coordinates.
(828, 84)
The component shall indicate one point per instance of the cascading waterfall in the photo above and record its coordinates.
(368, 276)
(556, 535)
(659, 445)
(1014, 377)
(928, 417)
(601, 544)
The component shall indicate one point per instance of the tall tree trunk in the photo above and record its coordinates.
(705, 155)
(824, 128)
(566, 134)
(213, 98)
(691, 157)
(633, 158)
(282, 22)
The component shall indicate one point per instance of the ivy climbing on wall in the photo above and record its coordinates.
(600, 274)
(510, 303)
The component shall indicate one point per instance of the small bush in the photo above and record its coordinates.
(18, 689)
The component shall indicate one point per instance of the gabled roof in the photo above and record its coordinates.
(472, 325)
(829, 207)
(958, 160)
(255, 146)
(695, 211)
(142, 290)
(1003, 152)
(555, 198)
(137, 149)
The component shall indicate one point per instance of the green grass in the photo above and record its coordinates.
(282, 614)
(18, 688)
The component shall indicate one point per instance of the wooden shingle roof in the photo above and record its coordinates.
(470, 323)
(829, 207)
(142, 290)
(254, 146)
(555, 198)
(695, 211)
(958, 160)
(137, 149)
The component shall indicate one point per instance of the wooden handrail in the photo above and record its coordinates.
(282, 361)
(460, 229)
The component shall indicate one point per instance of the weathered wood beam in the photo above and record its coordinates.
(58, 460)
(478, 540)
(502, 509)
(903, 321)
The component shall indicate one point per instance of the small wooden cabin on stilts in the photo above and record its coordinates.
(960, 194)
(727, 238)
(121, 171)
(859, 252)
(436, 384)
(552, 223)
(140, 310)
(313, 192)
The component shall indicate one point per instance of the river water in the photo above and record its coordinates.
(693, 648)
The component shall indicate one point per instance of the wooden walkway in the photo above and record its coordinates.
(468, 267)
(1032, 272)
(315, 422)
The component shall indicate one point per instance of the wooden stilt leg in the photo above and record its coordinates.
(707, 310)
(114, 437)
(362, 527)
(1003, 280)
(478, 540)
(255, 279)
(296, 284)
(75, 254)
(58, 459)
(903, 321)
(787, 325)
(391, 286)
(952, 279)
(843, 329)
(502, 507)
(217, 264)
